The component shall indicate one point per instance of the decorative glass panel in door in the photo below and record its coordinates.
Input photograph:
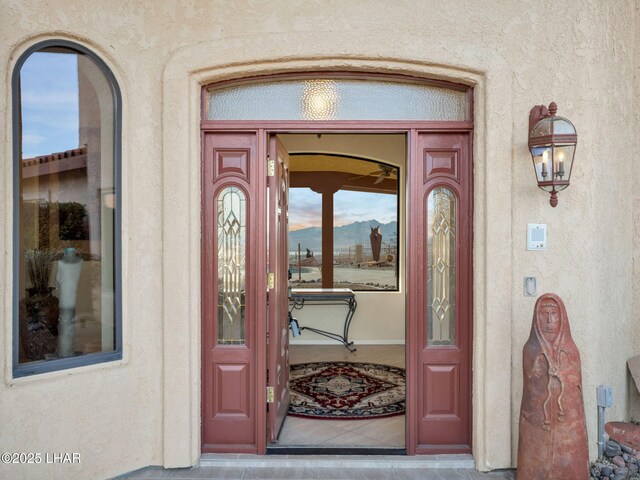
(231, 266)
(441, 274)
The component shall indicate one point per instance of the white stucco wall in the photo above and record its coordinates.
(582, 54)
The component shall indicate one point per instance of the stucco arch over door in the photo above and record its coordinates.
(202, 64)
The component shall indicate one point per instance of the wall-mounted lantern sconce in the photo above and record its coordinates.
(552, 142)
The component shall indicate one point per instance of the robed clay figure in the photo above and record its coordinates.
(553, 434)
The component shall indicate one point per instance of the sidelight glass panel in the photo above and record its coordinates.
(336, 99)
(232, 236)
(441, 273)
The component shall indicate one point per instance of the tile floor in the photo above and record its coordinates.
(384, 432)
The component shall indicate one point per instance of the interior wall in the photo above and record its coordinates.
(379, 316)
(379, 319)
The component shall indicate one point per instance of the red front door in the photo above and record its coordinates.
(278, 323)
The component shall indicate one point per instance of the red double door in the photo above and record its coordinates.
(245, 330)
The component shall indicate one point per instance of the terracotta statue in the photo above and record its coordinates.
(376, 242)
(553, 433)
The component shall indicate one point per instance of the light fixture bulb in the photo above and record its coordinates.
(320, 100)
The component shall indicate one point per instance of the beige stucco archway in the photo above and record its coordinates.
(196, 65)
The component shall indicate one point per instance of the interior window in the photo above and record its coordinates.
(66, 210)
(364, 198)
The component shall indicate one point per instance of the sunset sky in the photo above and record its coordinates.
(305, 208)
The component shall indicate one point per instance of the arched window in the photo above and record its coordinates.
(66, 124)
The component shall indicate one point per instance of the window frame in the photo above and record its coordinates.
(46, 366)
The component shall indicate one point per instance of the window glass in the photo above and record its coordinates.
(365, 228)
(305, 238)
(65, 207)
(365, 251)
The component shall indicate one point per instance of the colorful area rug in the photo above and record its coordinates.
(346, 391)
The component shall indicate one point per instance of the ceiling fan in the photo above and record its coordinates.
(384, 171)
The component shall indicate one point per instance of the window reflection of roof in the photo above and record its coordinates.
(52, 157)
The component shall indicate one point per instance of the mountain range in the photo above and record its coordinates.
(344, 236)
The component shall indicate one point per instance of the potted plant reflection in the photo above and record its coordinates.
(40, 337)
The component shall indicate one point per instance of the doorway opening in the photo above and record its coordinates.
(346, 224)
(256, 143)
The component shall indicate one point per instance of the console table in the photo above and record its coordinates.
(299, 297)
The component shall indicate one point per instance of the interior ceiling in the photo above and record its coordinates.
(352, 161)
(389, 148)
(301, 162)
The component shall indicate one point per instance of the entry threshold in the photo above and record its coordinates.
(306, 460)
(334, 450)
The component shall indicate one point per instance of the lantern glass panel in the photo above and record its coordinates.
(542, 128)
(562, 126)
(542, 162)
(562, 161)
